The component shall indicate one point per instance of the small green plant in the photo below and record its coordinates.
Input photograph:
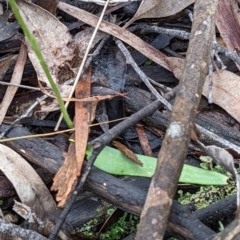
(114, 162)
(148, 62)
(221, 226)
(126, 225)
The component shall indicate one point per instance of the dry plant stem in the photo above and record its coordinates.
(28, 111)
(16, 79)
(19, 86)
(77, 190)
(101, 2)
(171, 157)
(36, 135)
(171, 32)
(16, 231)
(83, 62)
(52, 133)
(141, 74)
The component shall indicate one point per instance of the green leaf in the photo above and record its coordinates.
(114, 162)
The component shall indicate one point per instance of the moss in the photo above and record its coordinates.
(126, 225)
(207, 195)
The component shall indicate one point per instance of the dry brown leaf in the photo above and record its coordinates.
(118, 32)
(223, 158)
(159, 9)
(227, 19)
(28, 185)
(225, 89)
(65, 179)
(143, 140)
(82, 118)
(127, 152)
(82, 39)
(15, 79)
(54, 41)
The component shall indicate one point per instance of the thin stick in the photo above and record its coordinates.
(142, 74)
(155, 214)
(20, 86)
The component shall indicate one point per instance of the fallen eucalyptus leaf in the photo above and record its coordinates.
(54, 41)
(225, 91)
(159, 9)
(29, 186)
(118, 32)
(225, 160)
(114, 162)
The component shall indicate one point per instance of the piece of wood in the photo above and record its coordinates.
(154, 217)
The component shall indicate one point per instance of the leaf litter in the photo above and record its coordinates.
(60, 49)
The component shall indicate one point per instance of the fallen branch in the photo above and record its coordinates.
(16, 231)
(156, 211)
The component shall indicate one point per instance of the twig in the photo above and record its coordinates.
(189, 13)
(72, 199)
(185, 35)
(19, 86)
(16, 231)
(107, 137)
(83, 61)
(171, 157)
(172, 52)
(102, 2)
(227, 52)
(217, 139)
(35, 135)
(172, 32)
(141, 74)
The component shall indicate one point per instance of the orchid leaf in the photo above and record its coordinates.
(112, 161)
